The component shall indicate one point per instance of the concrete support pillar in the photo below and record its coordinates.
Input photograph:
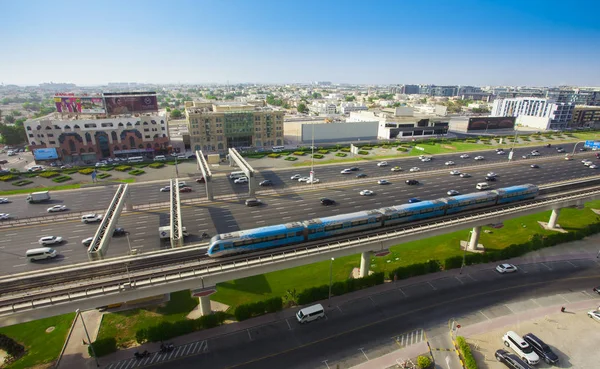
(209, 190)
(365, 261)
(252, 186)
(474, 238)
(553, 218)
(128, 203)
(204, 305)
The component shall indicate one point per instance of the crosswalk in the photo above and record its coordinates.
(410, 338)
(158, 357)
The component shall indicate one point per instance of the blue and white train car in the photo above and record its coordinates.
(255, 239)
(417, 211)
(343, 223)
(517, 193)
(469, 201)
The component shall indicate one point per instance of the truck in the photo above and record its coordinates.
(36, 197)
(165, 232)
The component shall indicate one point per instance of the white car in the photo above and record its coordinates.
(520, 347)
(346, 171)
(396, 169)
(479, 157)
(455, 172)
(49, 240)
(587, 163)
(535, 153)
(491, 174)
(303, 179)
(4, 200)
(506, 268)
(426, 159)
(241, 180)
(593, 166)
(366, 193)
(383, 182)
(87, 241)
(501, 152)
(449, 163)
(314, 180)
(382, 164)
(296, 176)
(568, 158)
(4, 216)
(594, 314)
(56, 208)
(415, 169)
(165, 189)
(464, 156)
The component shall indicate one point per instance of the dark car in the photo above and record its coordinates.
(534, 166)
(548, 145)
(361, 175)
(185, 189)
(3, 161)
(596, 289)
(511, 360)
(266, 182)
(119, 232)
(193, 156)
(414, 200)
(253, 202)
(354, 169)
(325, 201)
(411, 182)
(490, 178)
(540, 348)
(583, 149)
(201, 180)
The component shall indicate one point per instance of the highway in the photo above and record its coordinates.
(364, 329)
(226, 216)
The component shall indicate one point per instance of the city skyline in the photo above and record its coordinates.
(480, 43)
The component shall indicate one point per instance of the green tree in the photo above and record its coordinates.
(176, 114)
(9, 119)
(15, 113)
(350, 98)
(19, 122)
(316, 95)
(229, 96)
(423, 100)
(302, 108)
(5, 101)
(179, 95)
(12, 135)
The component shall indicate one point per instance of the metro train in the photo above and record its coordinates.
(297, 232)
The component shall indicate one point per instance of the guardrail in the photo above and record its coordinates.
(206, 268)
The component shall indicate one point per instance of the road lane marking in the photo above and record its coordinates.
(485, 316)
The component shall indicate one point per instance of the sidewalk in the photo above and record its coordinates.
(583, 249)
(76, 351)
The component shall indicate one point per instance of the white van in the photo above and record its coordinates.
(91, 218)
(160, 158)
(236, 175)
(135, 159)
(40, 254)
(482, 186)
(308, 314)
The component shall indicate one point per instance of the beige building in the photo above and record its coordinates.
(217, 126)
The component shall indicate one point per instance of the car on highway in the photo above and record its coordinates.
(479, 157)
(534, 166)
(326, 201)
(568, 157)
(4, 216)
(241, 180)
(511, 360)
(303, 179)
(464, 156)
(119, 231)
(382, 164)
(165, 189)
(535, 153)
(583, 149)
(587, 162)
(361, 175)
(354, 169)
(501, 152)
(593, 166)
(594, 314)
(541, 348)
(396, 169)
(413, 200)
(449, 163)
(296, 177)
(548, 145)
(200, 180)
(491, 174)
(253, 202)
(455, 172)
(412, 182)
(91, 218)
(266, 182)
(415, 169)
(182, 184)
(313, 181)
(560, 150)
(346, 171)
(596, 289)
(56, 208)
(4, 200)
(50, 240)
(506, 268)
(453, 193)
(87, 241)
(490, 178)
(499, 149)
(366, 193)
(426, 159)
(525, 156)
(383, 182)
(464, 175)
(185, 189)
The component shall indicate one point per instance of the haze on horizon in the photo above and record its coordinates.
(535, 43)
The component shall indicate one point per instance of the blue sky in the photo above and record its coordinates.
(468, 42)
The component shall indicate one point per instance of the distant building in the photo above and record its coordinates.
(402, 128)
(217, 126)
(410, 90)
(302, 133)
(585, 117)
(583, 96)
(539, 113)
(347, 107)
(324, 108)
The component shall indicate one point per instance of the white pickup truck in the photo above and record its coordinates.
(165, 232)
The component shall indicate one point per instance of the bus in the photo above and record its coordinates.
(236, 175)
(135, 159)
(278, 148)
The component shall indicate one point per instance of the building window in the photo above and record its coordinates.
(107, 124)
(113, 134)
(146, 123)
(120, 125)
(48, 127)
(72, 146)
(28, 128)
(50, 134)
(89, 125)
(56, 127)
(163, 128)
(147, 136)
(76, 126)
(66, 127)
(146, 129)
(88, 138)
(52, 142)
(131, 141)
(31, 135)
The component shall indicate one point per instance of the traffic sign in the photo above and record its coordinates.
(203, 292)
(592, 144)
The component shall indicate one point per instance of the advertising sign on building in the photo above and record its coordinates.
(490, 123)
(75, 104)
(128, 103)
(45, 154)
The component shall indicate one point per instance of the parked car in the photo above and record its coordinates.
(594, 314)
(511, 360)
(520, 347)
(540, 348)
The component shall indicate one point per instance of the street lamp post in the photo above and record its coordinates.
(512, 149)
(312, 156)
(330, 280)
(465, 253)
(128, 243)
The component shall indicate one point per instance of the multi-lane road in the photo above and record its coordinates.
(285, 205)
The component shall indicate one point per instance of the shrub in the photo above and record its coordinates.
(366, 148)
(136, 172)
(123, 168)
(318, 156)
(291, 158)
(465, 352)
(156, 165)
(14, 170)
(31, 175)
(424, 362)
(363, 152)
(144, 165)
(402, 149)
(103, 346)
(104, 175)
(255, 156)
(323, 151)
(70, 171)
(12, 347)
(22, 182)
(413, 270)
(86, 171)
(8, 177)
(339, 288)
(48, 174)
(246, 311)
(341, 154)
(345, 149)
(299, 153)
(61, 179)
(274, 155)
(106, 169)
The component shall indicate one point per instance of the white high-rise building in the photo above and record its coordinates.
(535, 112)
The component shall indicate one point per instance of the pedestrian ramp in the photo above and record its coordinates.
(193, 348)
(410, 338)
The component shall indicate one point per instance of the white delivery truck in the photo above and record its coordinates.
(36, 197)
(165, 232)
